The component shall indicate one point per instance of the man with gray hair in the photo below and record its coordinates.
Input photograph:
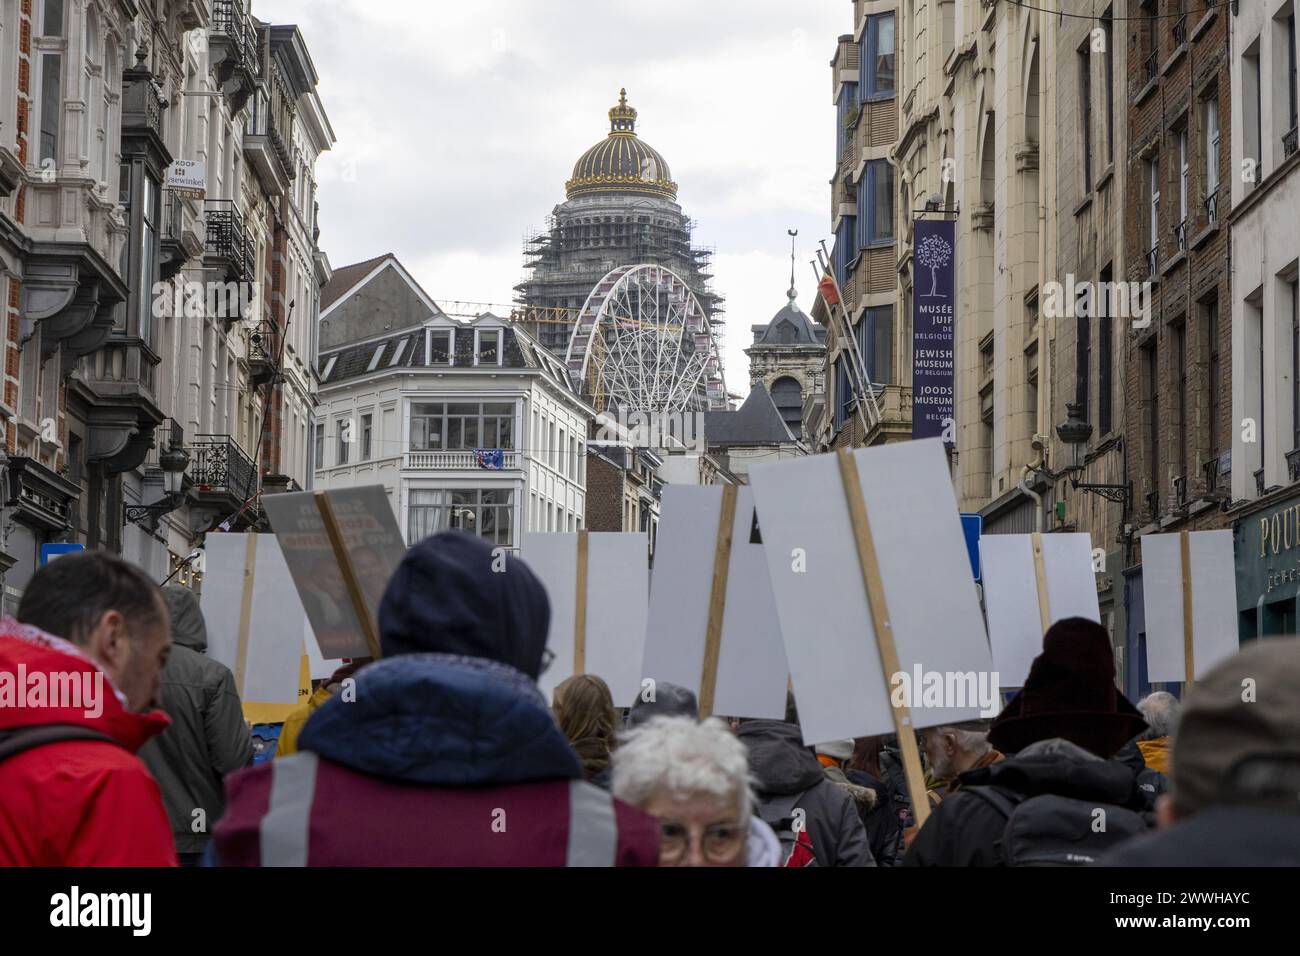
(1161, 710)
(953, 750)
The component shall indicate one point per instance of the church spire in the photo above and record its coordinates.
(792, 294)
(622, 118)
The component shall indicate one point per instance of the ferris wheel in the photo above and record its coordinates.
(643, 341)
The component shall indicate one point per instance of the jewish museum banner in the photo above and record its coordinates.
(933, 305)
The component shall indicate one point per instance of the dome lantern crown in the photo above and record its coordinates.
(622, 118)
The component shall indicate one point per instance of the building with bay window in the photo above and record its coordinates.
(469, 425)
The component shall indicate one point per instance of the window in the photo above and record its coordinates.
(1210, 129)
(367, 428)
(876, 343)
(319, 445)
(843, 407)
(344, 426)
(876, 74)
(1153, 212)
(148, 257)
(1184, 172)
(462, 426)
(1105, 357)
(1252, 115)
(441, 342)
(875, 219)
(1291, 91)
(1293, 290)
(1083, 357)
(564, 458)
(787, 396)
(487, 347)
(51, 74)
(1215, 364)
(1108, 69)
(1085, 115)
(846, 114)
(846, 248)
(1180, 384)
(488, 513)
(1151, 399)
(397, 353)
(374, 359)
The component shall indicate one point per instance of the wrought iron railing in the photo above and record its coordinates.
(1180, 235)
(218, 463)
(1180, 31)
(1153, 504)
(226, 236)
(1259, 482)
(166, 436)
(1153, 259)
(1212, 205)
(262, 343)
(230, 18)
(173, 210)
(1211, 471)
(1180, 490)
(1152, 65)
(1293, 465)
(1289, 142)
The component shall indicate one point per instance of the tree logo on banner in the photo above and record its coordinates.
(934, 254)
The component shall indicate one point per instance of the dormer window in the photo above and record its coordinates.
(487, 347)
(440, 343)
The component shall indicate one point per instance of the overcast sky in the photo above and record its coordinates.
(459, 122)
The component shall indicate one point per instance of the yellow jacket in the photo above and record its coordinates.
(293, 724)
(1154, 752)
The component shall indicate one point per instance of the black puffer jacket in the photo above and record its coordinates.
(208, 737)
(783, 767)
(1217, 836)
(964, 829)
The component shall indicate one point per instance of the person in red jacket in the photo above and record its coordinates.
(73, 714)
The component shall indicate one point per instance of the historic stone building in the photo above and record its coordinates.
(620, 208)
(133, 286)
(865, 340)
(788, 360)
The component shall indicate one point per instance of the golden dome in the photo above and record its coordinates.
(621, 162)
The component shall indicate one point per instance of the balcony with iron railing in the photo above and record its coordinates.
(265, 148)
(227, 243)
(179, 237)
(1289, 142)
(1179, 31)
(1152, 66)
(1293, 465)
(221, 470)
(1210, 471)
(1153, 260)
(1180, 490)
(1212, 206)
(1153, 505)
(1259, 482)
(1180, 236)
(232, 42)
(263, 353)
(462, 460)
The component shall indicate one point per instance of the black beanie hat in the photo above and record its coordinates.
(455, 593)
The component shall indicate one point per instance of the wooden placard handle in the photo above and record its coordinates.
(245, 610)
(1189, 664)
(717, 601)
(1040, 575)
(875, 590)
(355, 594)
(580, 609)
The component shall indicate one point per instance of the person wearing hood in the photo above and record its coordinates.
(665, 700)
(448, 754)
(1235, 768)
(1059, 733)
(788, 778)
(79, 676)
(287, 742)
(208, 737)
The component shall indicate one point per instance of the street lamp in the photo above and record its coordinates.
(1075, 432)
(173, 463)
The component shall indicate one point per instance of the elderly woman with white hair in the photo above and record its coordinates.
(694, 777)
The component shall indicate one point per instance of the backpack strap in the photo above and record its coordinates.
(1003, 801)
(21, 739)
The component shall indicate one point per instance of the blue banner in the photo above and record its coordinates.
(934, 264)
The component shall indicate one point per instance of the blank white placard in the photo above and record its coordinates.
(1214, 603)
(277, 620)
(618, 583)
(828, 632)
(752, 673)
(1011, 594)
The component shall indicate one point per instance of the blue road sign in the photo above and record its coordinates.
(973, 526)
(51, 551)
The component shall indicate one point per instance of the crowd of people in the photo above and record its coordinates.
(445, 751)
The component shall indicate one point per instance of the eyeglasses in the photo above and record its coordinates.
(718, 843)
